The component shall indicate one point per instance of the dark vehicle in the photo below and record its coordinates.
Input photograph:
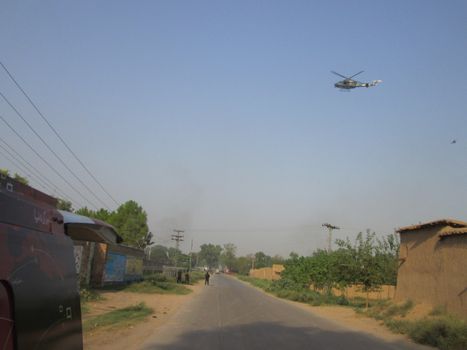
(39, 292)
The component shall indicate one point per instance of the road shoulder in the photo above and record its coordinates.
(164, 306)
(347, 318)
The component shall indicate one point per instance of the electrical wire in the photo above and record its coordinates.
(47, 163)
(31, 176)
(57, 134)
(51, 150)
(46, 183)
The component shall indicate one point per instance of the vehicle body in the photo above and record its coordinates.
(349, 83)
(39, 292)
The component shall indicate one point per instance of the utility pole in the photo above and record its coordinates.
(177, 237)
(330, 228)
(191, 249)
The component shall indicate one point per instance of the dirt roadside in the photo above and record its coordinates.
(164, 306)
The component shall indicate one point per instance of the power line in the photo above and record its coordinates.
(57, 134)
(51, 150)
(46, 183)
(47, 163)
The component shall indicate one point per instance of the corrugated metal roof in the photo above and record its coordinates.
(454, 232)
(443, 222)
(84, 228)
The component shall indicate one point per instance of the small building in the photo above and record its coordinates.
(99, 258)
(433, 265)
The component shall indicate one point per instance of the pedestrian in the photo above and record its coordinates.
(206, 278)
(179, 276)
(187, 277)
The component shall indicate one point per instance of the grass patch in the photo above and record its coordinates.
(87, 295)
(263, 284)
(295, 293)
(438, 329)
(85, 308)
(119, 318)
(196, 276)
(157, 284)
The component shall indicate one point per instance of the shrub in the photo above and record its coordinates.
(445, 333)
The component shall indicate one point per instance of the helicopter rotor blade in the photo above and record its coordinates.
(356, 74)
(342, 76)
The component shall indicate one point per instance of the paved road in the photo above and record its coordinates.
(232, 315)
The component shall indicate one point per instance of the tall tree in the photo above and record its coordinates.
(160, 255)
(130, 220)
(210, 255)
(228, 256)
(262, 260)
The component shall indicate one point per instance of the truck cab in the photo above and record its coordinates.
(39, 291)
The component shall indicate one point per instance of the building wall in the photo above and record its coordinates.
(123, 264)
(433, 271)
(268, 273)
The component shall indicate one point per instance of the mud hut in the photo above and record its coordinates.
(433, 265)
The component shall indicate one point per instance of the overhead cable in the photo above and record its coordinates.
(47, 163)
(34, 171)
(51, 150)
(57, 134)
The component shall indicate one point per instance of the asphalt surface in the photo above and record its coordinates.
(230, 314)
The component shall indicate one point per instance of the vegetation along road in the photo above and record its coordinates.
(230, 314)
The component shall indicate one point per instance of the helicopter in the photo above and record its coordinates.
(348, 82)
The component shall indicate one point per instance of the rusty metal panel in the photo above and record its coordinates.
(37, 265)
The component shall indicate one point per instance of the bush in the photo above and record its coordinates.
(155, 278)
(445, 333)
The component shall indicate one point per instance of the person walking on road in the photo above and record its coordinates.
(206, 278)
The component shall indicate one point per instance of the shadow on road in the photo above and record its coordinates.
(271, 335)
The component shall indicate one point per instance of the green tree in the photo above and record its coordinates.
(228, 258)
(209, 255)
(21, 179)
(130, 220)
(4, 172)
(85, 211)
(243, 265)
(63, 204)
(277, 259)
(160, 255)
(262, 260)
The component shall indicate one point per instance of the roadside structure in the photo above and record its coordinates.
(433, 265)
(103, 260)
(268, 273)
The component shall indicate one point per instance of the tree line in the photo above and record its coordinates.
(213, 256)
(369, 262)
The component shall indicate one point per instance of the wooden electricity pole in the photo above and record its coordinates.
(177, 237)
(330, 228)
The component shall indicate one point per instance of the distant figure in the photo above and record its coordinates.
(179, 276)
(206, 278)
(187, 277)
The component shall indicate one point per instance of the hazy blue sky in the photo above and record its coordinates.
(220, 117)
